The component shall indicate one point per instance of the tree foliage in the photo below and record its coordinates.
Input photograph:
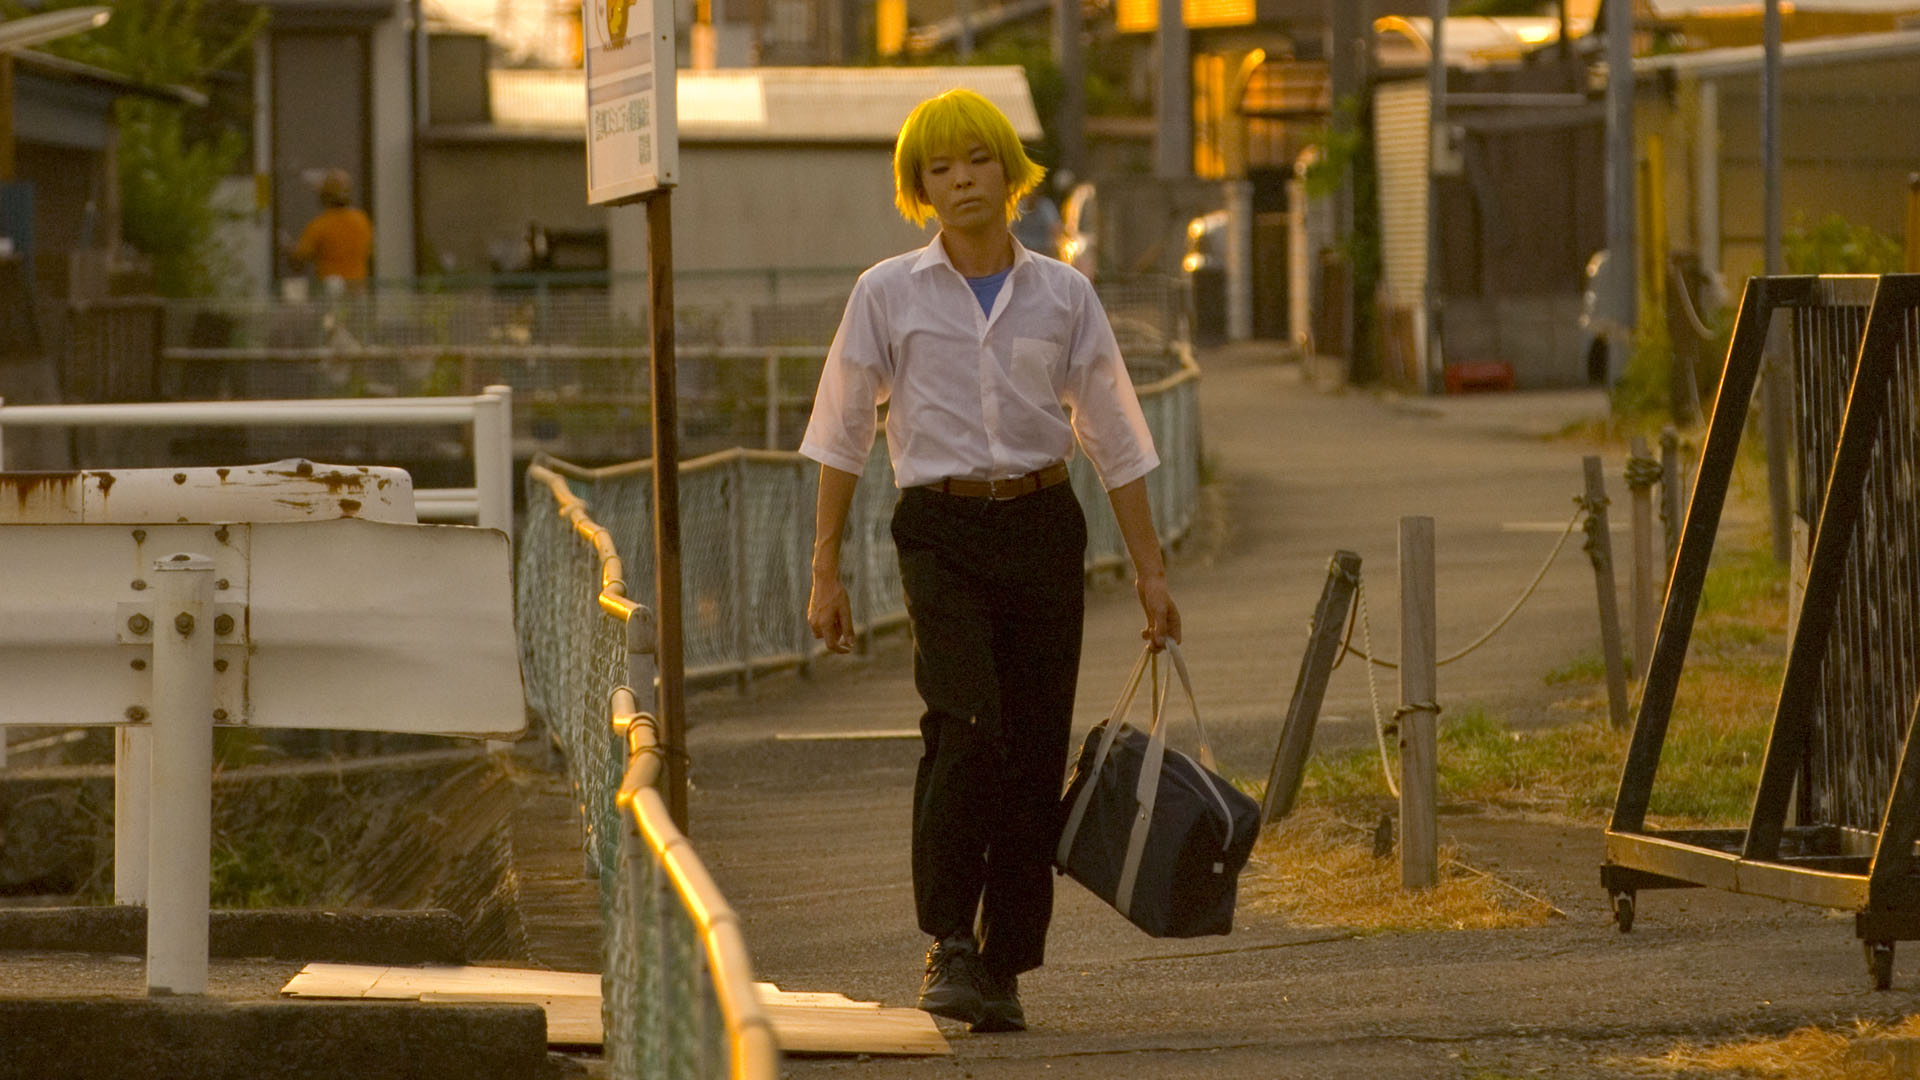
(169, 170)
(1833, 245)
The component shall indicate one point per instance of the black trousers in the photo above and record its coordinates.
(996, 602)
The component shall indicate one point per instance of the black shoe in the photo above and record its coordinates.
(952, 985)
(999, 1004)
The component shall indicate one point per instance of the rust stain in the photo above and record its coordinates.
(297, 504)
(349, 507)
(26, 484)
(222, 473)
(335, 481)
(106, 482)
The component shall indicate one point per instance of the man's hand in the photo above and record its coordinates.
(1163, 618)
(830, 613)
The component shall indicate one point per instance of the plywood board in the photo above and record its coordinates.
(408, 983)
(804, 1022)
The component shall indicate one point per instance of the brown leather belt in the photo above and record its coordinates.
(1009, 488)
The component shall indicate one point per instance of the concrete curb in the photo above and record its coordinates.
(136, 1038)
(354, 936)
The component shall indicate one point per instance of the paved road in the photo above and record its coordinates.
(807, 836)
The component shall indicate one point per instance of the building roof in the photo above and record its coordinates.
(1747, 59)
(1472, 41)
(812, 104)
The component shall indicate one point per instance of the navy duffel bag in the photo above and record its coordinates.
(1155, 833)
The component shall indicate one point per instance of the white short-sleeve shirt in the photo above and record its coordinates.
(975, 394)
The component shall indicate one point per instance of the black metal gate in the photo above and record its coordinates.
(1852, 680)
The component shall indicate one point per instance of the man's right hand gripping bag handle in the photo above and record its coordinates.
(1150, 830)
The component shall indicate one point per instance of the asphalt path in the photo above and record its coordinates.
(801, 797)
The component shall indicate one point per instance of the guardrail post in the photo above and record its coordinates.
(742, 603)
(1418, 712)
(132, 773)
(773, 399)
(493, 457)
(180, 845)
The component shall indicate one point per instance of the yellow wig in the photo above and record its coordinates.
(947, 124)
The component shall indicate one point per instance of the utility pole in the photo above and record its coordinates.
(1173, 105)
(1350, 55)
(1070, 125)
(1437, 144)
(1622, 258)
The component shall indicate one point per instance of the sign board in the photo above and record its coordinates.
(633, 137)
(347, 624)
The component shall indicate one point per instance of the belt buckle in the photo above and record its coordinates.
(1012, 490)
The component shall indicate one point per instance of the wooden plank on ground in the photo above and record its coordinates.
(812, 1023)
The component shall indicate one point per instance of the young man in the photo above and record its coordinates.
(980, 347)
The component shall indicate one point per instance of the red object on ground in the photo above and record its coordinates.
(1480, 375)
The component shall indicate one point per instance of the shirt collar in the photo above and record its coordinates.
(935, 254)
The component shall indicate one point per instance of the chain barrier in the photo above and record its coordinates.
(1500, 623)
(1384, 727)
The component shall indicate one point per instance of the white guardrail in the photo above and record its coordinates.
(489, 503)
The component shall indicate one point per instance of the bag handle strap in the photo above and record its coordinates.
(1064, 849)
(1186, 683)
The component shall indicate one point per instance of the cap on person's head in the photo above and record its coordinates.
(336, 187)
(950, 122)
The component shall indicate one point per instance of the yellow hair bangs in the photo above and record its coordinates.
(953, 121)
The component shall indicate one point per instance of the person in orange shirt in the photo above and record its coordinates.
(339, 241)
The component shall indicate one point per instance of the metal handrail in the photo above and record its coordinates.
(754, 1052)
(490, 501)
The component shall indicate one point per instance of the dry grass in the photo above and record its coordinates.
(1805, 1054)
(1314, 869)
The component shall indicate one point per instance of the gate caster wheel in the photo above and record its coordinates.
(1880, 963)
(1622, 902)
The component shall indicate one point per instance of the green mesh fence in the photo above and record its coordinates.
(660, 1005)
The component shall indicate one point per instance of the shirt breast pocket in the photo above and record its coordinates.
(1036, 370)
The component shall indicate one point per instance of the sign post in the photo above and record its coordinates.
(633, 154)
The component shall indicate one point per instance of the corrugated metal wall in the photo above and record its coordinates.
(1400, 139)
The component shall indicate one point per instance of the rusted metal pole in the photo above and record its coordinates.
(1418, 712)
(666, 501)
(1600, 551)
(1310, 687)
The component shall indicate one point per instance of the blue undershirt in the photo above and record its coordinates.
(986, 288)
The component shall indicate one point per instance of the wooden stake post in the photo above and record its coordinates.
(1419, 713)
(1310, 687)
(1646, 603)
(1600, 551)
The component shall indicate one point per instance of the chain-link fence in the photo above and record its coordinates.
(678, 999)
(746, 568)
